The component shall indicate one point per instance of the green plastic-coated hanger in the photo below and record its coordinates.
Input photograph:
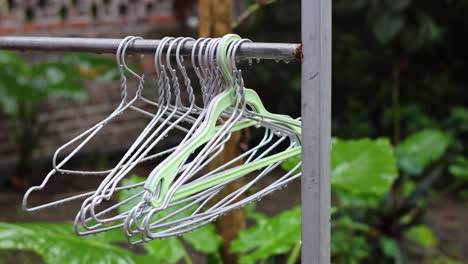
(167, 170)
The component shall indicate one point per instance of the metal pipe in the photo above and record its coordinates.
(252, 50)
(316, 130)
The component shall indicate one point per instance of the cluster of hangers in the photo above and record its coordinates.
(180, 194)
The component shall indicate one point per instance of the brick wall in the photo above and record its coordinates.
(63, 119)
(85, 17)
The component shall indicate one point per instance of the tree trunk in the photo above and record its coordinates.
(216, 21)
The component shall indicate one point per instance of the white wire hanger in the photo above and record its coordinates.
(179, 195)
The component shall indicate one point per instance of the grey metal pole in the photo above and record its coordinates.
(316, 132)
(277, 51)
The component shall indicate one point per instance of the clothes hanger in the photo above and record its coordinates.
(86, 136)
(81, 218)
(228, 175)
(110, 183)
(211, 43)
(217, 106)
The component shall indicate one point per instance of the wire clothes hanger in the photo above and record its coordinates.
(88, 135)
(81, 219)
(158, 191)
(179, 195)
(151, 138)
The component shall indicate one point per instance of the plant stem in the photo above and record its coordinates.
(294, 253)
(396, 103)
(251, 9)
(187, 258)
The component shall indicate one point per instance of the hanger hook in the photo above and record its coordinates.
(180, 59)
(158, 55)
(168, 54)
(122, 56)
(222, 55)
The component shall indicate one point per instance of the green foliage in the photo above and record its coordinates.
(418, 150)
(56, 243)
(21, 82)
(204, 239)
(460, 169)
(399, 68)
(386, 26)
(169, 250)
(459, 117)
(360, 168)
(389, 247)
(422, 235)
(363, 166)
(347, 246)
(273, 236)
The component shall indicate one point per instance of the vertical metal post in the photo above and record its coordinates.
(316, 132)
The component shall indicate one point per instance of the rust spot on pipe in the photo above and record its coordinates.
(298, 53)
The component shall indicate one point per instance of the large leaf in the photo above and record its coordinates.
(56, 79)
(204, 239)
(389, 246)
(422, 235)
(460, 169)
(169, 250)
(276, 236)
(418, 150)
(363, 166)
(57, 243)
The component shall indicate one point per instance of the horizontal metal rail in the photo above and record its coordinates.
(247, 50)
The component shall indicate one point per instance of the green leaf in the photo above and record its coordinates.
(420, 149)
(277, 235)
(356, 200)
(57, 243)
(459, 116)
(124, 194)
(422, 235)
(387, 26)
(204, 239)
(460, 169)
(347, 246)
(169, 250)
(291, 163)
(363, 166)
(389, 246)
(251, 213)
(56, 79)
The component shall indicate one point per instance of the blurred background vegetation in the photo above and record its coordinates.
(400, 122)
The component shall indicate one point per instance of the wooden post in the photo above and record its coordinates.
(216, 21)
